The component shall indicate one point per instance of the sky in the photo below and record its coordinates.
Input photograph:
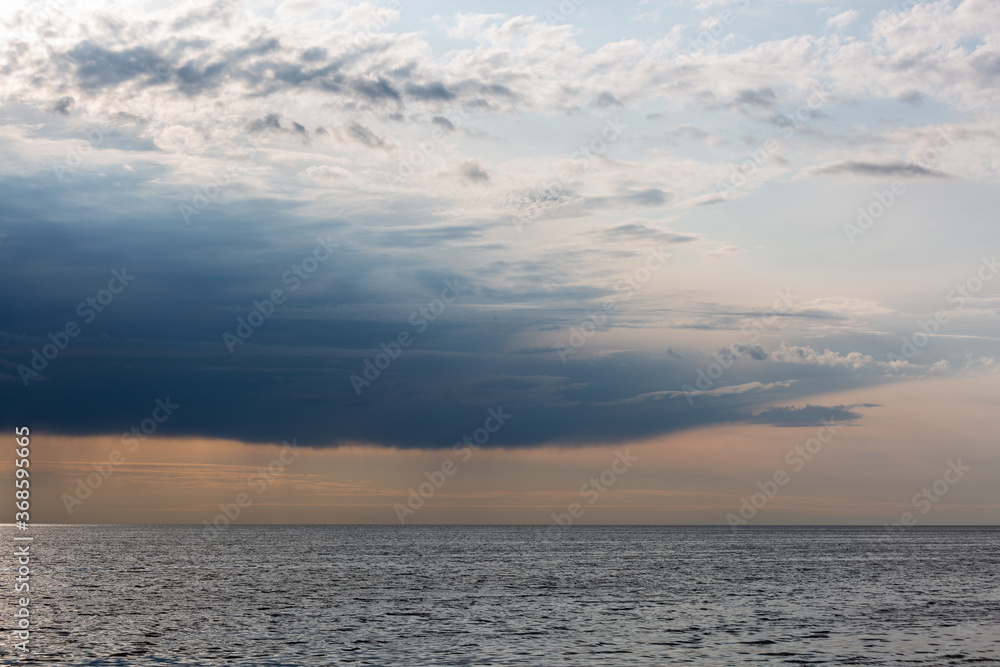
(453, 266)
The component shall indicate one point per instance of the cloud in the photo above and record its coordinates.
(443, 123)
(810, 415)
(646, 230)
(763, 98)
(795, 354)
(271, 121)
(606, 99)
(879, 169)
(362, 134)
(435, 91)
(755, 352)
(376, 89)
(168, 101)
(843, 19)
(325, 173)
(62, 105)
(473, 172)
(469, 24)
(647, 197)
(724, 251)
(728, 390)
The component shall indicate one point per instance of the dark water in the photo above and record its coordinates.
(137, 595)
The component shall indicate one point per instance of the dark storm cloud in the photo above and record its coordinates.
(876, 169)
(162, 336)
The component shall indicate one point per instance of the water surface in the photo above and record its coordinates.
(391, 595)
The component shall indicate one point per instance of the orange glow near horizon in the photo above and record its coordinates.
(867, 473)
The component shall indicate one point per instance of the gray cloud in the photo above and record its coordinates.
(763, 98)
(880, 169)
(810, 415)
(606, 99)
(98, 67)
(162, 336)
(639, 230)
(62, 105)
(432, 91)
(365, 136)
(647, 197)
(376, 90)
(443, 123)
(472, 171)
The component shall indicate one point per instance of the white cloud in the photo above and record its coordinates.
(843, 19)
(730, 390)
(468, 25)
(795, 354)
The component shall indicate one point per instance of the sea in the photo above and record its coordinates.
(506, 595)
